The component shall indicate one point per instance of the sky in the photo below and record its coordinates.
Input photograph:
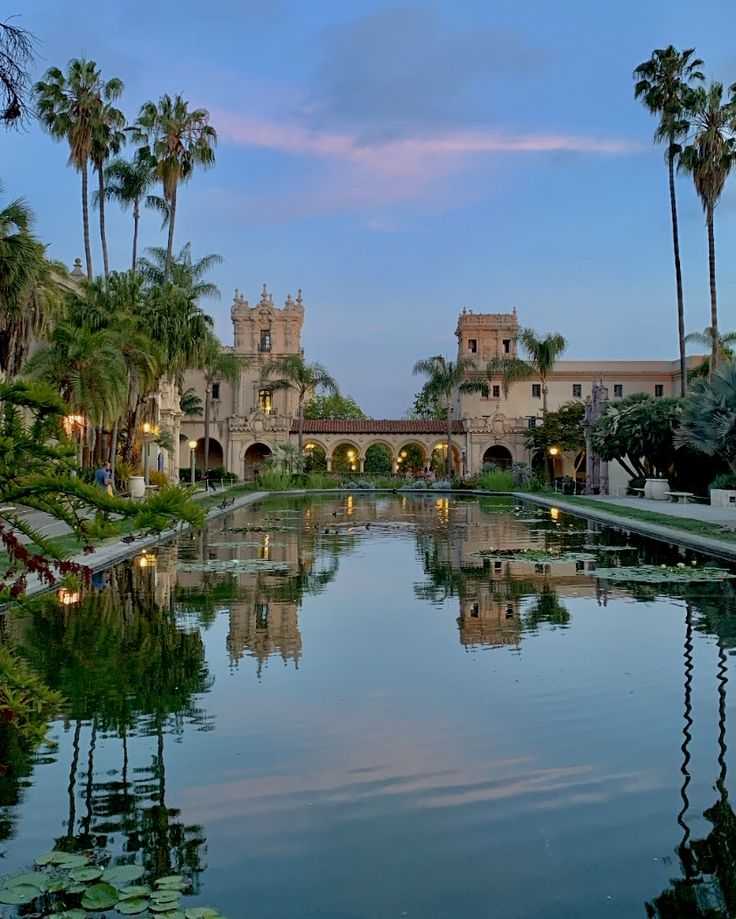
(400, 162)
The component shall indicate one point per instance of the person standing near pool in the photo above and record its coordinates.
(103, 477)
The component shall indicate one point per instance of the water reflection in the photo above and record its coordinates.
(488, 577)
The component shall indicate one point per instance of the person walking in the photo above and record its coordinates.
(209, 481)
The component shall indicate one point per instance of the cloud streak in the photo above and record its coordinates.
(403, 156)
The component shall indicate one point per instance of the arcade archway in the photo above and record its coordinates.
(255, 456)
(499, 456)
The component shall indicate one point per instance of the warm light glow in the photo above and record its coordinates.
(73, 421)
(309, 446)
(349, 506)
(68, 597)
(553, 451)
(143, 561)
(146, 427)
(402, 455)
(351, 454)
(192, 444)
(554, 513)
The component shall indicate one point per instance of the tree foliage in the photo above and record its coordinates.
(17, 54)
(708, 423)
(332, 406)
(428, 404)
(562, 428)
(639, 432)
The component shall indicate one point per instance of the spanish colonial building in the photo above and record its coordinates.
(249, 420)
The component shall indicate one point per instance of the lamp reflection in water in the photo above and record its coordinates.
(68, 597)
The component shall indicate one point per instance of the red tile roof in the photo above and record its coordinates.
(377, 426)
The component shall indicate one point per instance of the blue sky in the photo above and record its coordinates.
(400, 162)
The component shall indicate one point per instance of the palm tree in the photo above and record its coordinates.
(705, 340)
(543, 354)
(508, 369)
(190, 403)
(88, 371)
(68, 108)
(664, 85)
(127, 182)
(709, 158)
(29, 293)
(293, 373)
(444, 378)
(217, 365)
(179, 140)
(182, 272)
(108, 139)
(708, 421)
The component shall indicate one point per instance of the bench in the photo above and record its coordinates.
(681, 497)
(638, 492)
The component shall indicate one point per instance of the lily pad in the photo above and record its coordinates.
(235, 564)
(122, 874)
(100, 897)
(85, 874)
(135, 890)
(70, 914)
(62, 859)
(33, 878)
(201, 912)
(172, 882)
(132, 906)
(19, 895)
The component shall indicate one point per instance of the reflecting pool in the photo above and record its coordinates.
(364, 706)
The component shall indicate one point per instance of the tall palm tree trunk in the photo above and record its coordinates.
(544, 399)
(170, 244)
(713, 293)
(300, 425)
(103, 233)
(113, 451)
(136, 218)
(207, 392)
(678, 274)
(448, 459)
(85, 223)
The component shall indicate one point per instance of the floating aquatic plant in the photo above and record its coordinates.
(234, 564)
(538, 556)
(69, 885)
(596, 547)
(664, 574)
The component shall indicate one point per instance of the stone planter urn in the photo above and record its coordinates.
(656, 489)
(137, 486)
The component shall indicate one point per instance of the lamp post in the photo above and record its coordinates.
(146, 450)
(192, 448)
(552, 452)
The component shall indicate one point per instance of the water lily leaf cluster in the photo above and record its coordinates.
(69, 885)
(234, 564)
(538, 556)
(665, 574)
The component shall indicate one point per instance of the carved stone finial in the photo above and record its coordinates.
(77, 269)
(513, 312)
(299, 297)
(289, 302)
(236, 295)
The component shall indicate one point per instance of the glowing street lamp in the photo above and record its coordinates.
(192, 447)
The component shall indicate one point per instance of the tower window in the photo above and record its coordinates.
(532, 423)
(507, 346)
(618, 390)
(264, 401)
(215, 390)
(496, 391)
(658, 390)
(265, 344)
(577, 390)
(473, 345)
(536, 390)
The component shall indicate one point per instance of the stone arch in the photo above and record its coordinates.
(216, 456)
(253, 458)
(379, 457)
(316, 455)
(499, 454)
(346, 457)
(438, 457)
(411, 457)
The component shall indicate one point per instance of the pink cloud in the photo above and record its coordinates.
(402, 156)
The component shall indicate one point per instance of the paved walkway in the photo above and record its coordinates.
(712, 545)
(725, 516)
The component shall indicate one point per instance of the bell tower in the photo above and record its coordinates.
(265, 333)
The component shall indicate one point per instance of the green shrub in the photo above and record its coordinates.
(220, 474)
(522, 474)
(500, 480)
(274, 480)
(724, 480)
(318, 480)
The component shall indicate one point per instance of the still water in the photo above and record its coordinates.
(358, 707)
